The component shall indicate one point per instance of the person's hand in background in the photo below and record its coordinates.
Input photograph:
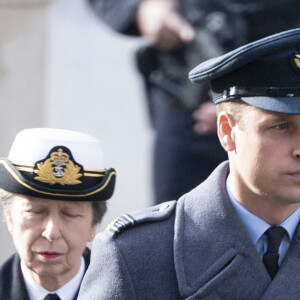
(206, 118)
(161, 22)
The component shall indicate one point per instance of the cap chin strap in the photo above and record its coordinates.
(279, 92)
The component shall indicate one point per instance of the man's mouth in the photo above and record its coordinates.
(295, 175)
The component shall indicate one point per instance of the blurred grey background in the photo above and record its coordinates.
(61, 68)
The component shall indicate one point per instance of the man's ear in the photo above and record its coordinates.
(226, 131)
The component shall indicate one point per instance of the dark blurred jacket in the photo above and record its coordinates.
(221, 26)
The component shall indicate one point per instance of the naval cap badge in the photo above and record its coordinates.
(58, 167)
(295, 59)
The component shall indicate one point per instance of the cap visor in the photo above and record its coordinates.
(287, 105)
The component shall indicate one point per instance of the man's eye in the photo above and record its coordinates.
(281, 126)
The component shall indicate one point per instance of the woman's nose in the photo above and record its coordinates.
(51, 229)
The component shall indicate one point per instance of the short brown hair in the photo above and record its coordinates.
(99, 209)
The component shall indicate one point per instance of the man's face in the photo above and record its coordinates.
(266, 160)
(50, 235)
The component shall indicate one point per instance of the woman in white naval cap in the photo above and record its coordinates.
(53, 188)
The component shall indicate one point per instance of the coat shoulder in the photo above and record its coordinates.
(12, 284)
(148, 215)
(6, 269)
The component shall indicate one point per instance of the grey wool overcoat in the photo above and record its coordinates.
(195, 248)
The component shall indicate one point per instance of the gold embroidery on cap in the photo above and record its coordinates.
(24, 184)
(58, 169)
(297, 60)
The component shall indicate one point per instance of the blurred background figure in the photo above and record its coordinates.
(53, 189)
(180, 34)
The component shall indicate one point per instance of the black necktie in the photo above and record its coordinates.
(270, 258)
(51, 297)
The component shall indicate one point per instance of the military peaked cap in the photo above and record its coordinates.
(57, 164)
(264, 73)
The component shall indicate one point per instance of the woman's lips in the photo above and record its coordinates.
(50, 255)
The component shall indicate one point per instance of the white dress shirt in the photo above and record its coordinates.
(256, 227)
(66, 292)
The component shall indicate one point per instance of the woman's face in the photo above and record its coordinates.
(50, 235)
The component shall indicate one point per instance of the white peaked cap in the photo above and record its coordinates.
(57, 164)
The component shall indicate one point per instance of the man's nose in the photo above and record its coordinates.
(51, 229)
(296, 150)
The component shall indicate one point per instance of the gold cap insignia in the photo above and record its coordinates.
(58, 167)
(296, 60)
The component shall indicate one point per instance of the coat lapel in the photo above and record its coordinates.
(213, 253)
(18, 290)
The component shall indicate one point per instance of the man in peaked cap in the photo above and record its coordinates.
(236, 235)
(53, 188)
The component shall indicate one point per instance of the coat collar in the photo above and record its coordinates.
(211, 245)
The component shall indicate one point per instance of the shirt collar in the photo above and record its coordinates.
(66, 292)
(256, 226)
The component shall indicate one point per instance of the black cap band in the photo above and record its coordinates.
(239, 92)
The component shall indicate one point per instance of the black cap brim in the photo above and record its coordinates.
(14, 181)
